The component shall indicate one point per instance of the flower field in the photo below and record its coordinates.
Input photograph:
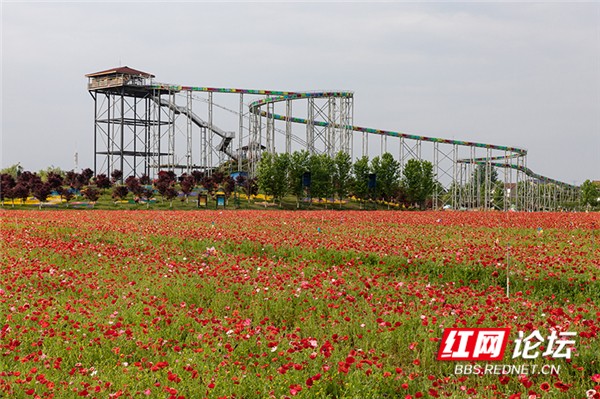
(275, 304)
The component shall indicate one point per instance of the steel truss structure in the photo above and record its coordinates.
(141, 127)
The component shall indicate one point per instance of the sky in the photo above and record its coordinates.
(517, 74)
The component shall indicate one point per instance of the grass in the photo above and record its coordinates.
(106, 202)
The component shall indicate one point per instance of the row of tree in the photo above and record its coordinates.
(23, 184)
(299, 174)
(320, 176)
(18, 184)
(278, 175)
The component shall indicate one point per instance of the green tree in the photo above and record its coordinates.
(342, 174)
(498, 196)
(589, 193)
(265, 173)
(480, 178)
(272, 174)
(361, 170)
(418, 181)
(375, 167)
(298, 166)
(281, 169)
(321, 173)
(480, 172)
(387, 170)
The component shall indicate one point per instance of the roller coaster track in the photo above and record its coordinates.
(274, 96)
(225, 136)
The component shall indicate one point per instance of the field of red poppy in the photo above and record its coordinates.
(267, 304)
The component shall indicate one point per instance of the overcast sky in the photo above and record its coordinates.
(516, 74)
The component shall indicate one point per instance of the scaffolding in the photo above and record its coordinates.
(141, 127)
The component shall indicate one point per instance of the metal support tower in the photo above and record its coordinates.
(209, 143)
(288, 126)
(241, 133)
(189, 132)
(310, 126)
(125, 118)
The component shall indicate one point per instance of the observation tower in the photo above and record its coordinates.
(124, 120)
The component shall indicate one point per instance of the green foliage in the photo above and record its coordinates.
(272, 174)
(480, 173)
(418, 180)
(342, 174)
(483, 182)
(321, 166)
(298, 166)
(589, 193)
(361, 177)
(265, 173)
(498, 195)
(387, 170)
